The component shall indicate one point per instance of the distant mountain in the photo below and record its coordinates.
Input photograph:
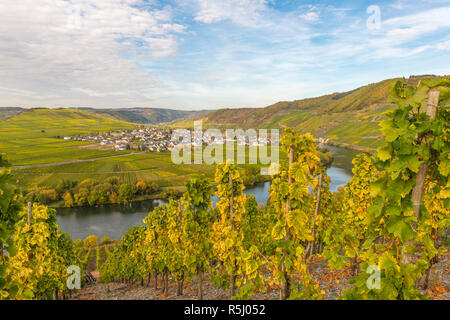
(9, 112)
(149, 115)
(346, 118)
(135, 115)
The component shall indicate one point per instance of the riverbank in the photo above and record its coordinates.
(163, 195)
(349, 146)
(157, 196)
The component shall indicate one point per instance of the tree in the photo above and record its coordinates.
(46, 196)
(125, 192)
(87, 183)
(81, 197)
(112, 197)
(141, 187)
(91, 241)
(113, 180)
(68, 200)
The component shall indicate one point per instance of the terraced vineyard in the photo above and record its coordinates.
(156, 167)
(33, 141)
(36, 136)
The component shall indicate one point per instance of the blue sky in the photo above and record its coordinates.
(209, 54)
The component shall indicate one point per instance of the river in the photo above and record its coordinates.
(114, 220)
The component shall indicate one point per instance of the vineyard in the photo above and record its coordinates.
(386, 228)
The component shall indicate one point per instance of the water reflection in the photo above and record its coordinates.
(108, 220)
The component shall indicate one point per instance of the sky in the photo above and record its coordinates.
(210, 54)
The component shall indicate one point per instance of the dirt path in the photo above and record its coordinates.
(39, 165)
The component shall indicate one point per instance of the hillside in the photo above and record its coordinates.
(149, 115)
(346, 118)
(134, 115)
(33, 140)
(9, 112)
(36, 135)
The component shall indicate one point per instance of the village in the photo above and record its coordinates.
(155, 139)
(142, 139)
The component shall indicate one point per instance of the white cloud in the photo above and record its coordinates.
(444, 46)
(52, 46)
(242, 12)
(411, 26)
(312, 15)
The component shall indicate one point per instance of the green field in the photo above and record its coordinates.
(31, 136)
(152, 166)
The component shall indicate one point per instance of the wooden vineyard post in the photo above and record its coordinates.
(231, 200)
(180, 281)
(417, 192)
(232, 276)
(200, 284)
(316, 211)
(29, 213)
(285, 288)
(166, 283)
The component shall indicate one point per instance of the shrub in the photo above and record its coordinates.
(78, 243)
(141, 187)
(46, 196)
(125, 192)
(68, 200)
(171, 193)
(113, 180)
(91, 241)
(106, 240)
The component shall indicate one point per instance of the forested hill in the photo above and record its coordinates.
(346, 118)
(149, 115)
(134, 115)
(9, 112)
